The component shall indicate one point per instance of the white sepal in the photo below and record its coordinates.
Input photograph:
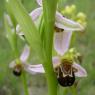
(12, 64)
(34, 69)
(25, 54)
(36, 13)
(67, 24)
(62, 41)
(81, 72)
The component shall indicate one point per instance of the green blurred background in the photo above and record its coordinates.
(11, 85)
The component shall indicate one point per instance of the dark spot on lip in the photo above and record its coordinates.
(17, 73)
(65, 73)
(17, 70)
(67, 80)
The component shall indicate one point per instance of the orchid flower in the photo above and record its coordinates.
(66, 69)
(56, 61)
(19, 65)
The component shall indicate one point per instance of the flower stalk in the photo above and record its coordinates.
(74, 90)
(49, 18)
(24, 80)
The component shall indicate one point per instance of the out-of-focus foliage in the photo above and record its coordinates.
(71, 12)
(9, 84)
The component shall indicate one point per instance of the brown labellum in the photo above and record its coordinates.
(17, 70)
(65, 73)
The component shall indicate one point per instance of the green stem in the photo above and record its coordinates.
(49, 10)
(62, 90)
(51, 80)
(73, 90)
(50, 75)
(25, 83)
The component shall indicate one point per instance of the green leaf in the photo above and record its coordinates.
(11, 34)
(31, 34)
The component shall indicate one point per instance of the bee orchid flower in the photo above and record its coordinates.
(56, 61)
(66, 70)
(21, 64)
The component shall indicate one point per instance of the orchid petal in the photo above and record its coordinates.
(33, 69)
(55, 61)
(81, 72)
(12, 64)
(66, 24)
(25, 54)
(36, 13)
(62, 41)
(39, 2)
